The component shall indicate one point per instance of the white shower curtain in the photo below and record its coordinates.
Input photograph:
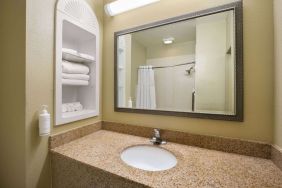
(145, 92)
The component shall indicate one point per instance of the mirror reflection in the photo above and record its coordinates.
(187, 66)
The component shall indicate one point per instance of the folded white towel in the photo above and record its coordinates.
(74, 68)
(70, 51)
(72, 107)
(64, 108)
(77, 106)
(86, 56)
(75, 82)
(75, 76)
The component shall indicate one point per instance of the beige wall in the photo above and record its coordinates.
(278, 72)
(258, 58)
(39, 85)
(12, 93)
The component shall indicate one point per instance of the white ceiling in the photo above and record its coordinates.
(182, 32)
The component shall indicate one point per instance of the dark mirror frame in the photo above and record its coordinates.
(238, 12)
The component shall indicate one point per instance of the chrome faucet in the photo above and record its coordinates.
(156, 139)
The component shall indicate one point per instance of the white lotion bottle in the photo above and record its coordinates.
(44, 122)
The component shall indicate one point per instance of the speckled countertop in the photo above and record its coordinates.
(196, 167)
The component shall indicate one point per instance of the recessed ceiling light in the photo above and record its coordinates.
(169, 40)
(120, 6)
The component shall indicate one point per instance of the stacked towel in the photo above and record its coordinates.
(86, 56)
(70, 51)
(73, 55)
(75, 73)
(72, 107)
(75, 76)
(74, 68)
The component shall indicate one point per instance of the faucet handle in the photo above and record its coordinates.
(156, 139)
(157, 133)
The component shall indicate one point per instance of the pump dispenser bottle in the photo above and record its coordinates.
(44, 121)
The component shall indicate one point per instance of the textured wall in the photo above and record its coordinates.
(12, 93)
(258, 70)
(40, 87)
(278, 72)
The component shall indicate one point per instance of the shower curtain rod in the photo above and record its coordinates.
(159, 67)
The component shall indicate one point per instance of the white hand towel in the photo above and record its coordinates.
(67, 107)
(86, 56)
(74, 68)
(75, 82)
(64, 108)
(70, 51)
(75, 76)
(72, 107)
(77, 106)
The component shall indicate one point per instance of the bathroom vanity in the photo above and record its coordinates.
(95, 161)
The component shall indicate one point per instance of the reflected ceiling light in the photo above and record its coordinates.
(168, 40)
(120, 6)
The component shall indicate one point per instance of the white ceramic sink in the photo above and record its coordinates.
(147, 157)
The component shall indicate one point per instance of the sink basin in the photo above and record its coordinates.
(150, 158)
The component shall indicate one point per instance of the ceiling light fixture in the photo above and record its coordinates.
(120, 6)
(169, 40)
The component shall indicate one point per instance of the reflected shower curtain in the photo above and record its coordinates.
(146, 92)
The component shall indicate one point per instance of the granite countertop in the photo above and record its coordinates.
(196, 167)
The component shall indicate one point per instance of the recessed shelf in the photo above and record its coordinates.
(77, 113)
(68, 82)
(74, 85)
(77, 41)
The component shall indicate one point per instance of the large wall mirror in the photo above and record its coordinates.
(189, 65)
